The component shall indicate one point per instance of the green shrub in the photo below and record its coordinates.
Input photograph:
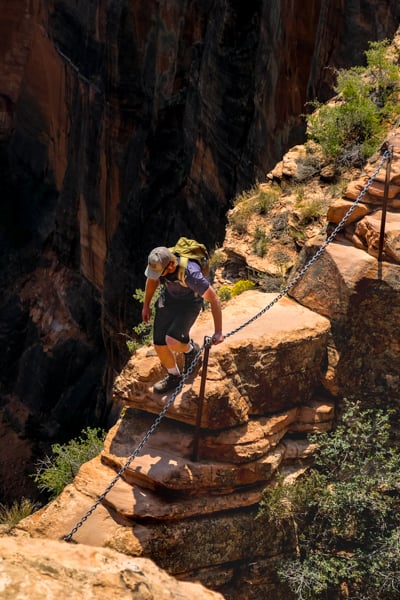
(226, 292)
(11, 515)
(217, 258)
(300, 192)
(245, 195)
(311, 210)
(254, 201)
(348, 132)
(55, 472)
(260, 242)
(238, 220)
(143, 332)
(243, 285)
(350, 129)
(297, 235)
(265, 200)
(283, 262)
(346, 510)
(384, 75)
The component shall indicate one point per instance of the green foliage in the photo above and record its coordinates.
(300, 192)
(351, 129)
(383, 72)
(297, 235)
(256, 201)
(286, 501)
(217, 258)
(246, 195)
(260, 242)
(143, 332)
(337, 189)
(282, 261)
(348, 132)
(310, 210)
(347, 509)
(243, 285)
(265, 200)
(226, 292)
(55, 472)
(11, 515)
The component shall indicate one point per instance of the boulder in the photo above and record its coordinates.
(31, 569)
(257, 370)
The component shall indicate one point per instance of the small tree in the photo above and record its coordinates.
(383, 74)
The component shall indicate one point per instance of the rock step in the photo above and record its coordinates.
(270, 365)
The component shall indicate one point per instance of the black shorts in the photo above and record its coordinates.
(175, 319)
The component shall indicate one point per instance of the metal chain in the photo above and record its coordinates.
(322, 249)
(139, 447)
(196, 359)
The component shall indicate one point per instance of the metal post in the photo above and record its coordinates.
(207, 345)
(384, 207)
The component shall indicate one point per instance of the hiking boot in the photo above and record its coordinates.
(170, 382)
(190, 356)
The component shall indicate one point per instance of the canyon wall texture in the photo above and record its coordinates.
(123, 125)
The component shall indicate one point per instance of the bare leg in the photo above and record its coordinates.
(175, 345)
(166, 354)
(167, 358)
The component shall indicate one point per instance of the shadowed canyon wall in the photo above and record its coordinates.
(123, 125)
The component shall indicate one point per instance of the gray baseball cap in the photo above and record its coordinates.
(158, 260)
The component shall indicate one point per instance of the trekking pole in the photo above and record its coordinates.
(207, 346)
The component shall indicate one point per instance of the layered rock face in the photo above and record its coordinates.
(189, 499)
(363, 292)
(374, 225)
(123, 125)
(183, 486)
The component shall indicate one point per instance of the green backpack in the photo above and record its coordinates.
(188, 249)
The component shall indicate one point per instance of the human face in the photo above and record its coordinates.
(170, 268)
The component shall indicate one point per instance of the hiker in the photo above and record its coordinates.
(177, 308)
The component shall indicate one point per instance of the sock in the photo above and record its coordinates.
(190, 348)
(174, 371)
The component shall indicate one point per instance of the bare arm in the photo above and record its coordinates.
(213, 299)
(150, 288)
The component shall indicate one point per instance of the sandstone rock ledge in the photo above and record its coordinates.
(58, 571)
(195, 516)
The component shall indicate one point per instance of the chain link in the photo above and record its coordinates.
(192, 366)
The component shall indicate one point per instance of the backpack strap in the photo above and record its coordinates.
(183, 263)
